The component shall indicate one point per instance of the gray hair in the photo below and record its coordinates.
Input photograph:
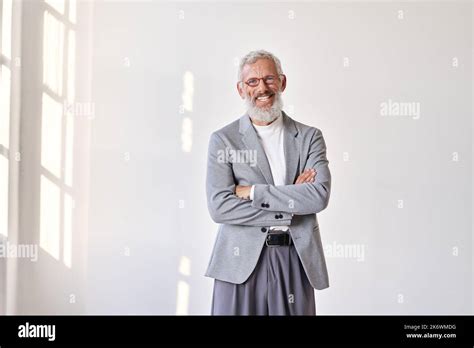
(253, 56)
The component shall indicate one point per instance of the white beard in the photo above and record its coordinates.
(265, 114)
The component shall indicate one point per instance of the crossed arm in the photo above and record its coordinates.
(309, 194)
(308, 175)
(223, 205)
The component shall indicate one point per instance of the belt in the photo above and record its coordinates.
(278, 239)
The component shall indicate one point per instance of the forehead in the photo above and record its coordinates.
(261, 67)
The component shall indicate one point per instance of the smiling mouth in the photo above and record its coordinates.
(265, 97)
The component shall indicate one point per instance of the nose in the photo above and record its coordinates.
(261, 87)
(261, 82)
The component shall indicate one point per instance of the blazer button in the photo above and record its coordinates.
(277, 216)
(264, 229)
(264, 205)
(281, 216)
(268, 205)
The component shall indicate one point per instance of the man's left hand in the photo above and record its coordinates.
(243, 191)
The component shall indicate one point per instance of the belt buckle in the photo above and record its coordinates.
(266, 241)
(277, 245)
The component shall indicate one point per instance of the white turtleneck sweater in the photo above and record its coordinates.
(271, 139)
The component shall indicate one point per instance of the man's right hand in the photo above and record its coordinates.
(307, 176)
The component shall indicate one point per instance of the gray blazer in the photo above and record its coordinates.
(244, 223)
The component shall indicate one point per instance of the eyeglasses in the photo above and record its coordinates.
(269, 80)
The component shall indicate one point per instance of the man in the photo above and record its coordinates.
(267, 178)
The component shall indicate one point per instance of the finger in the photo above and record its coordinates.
(303, 177)
(312, 172)
(310, 175)
(299, 179)
(310, 179)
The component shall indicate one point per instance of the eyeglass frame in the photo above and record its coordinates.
(261, 78)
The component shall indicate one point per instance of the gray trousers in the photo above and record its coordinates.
(277, 286)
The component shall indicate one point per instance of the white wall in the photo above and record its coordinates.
(142, 52)
(162, 78)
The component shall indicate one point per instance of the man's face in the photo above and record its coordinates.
(261, 96)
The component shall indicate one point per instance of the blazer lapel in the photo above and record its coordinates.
(250, 140)
(292, 147)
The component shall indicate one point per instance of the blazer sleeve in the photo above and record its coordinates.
(223, 205)
(301, 199)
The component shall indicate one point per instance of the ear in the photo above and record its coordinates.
(283, 83)
(240, 90)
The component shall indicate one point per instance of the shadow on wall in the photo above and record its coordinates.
(53, 141)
